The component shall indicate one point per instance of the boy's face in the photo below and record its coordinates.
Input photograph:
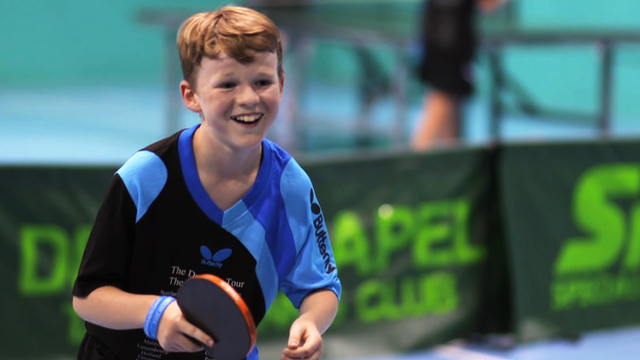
(238, 102)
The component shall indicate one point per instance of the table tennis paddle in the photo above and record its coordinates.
(212, 305)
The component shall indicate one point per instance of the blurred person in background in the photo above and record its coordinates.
(449, 41)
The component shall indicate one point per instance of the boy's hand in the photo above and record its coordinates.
(175, 333)
(305, 341)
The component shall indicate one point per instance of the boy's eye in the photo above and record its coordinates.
(264, 82)
(227, 85)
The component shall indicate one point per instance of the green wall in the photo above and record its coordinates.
(81, 41)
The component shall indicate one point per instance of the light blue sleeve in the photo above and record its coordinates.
(144, 175)
(314, 266)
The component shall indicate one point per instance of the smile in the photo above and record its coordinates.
(247, 119)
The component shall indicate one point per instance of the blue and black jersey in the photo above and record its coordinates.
(158, 226)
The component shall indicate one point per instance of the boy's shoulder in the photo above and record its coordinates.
(149, 158)
(293, 179)
(285, 163)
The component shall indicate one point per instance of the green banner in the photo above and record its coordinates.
(45, 218)
(572, 214)
(409, 233)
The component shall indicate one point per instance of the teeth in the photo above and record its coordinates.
(246, 118)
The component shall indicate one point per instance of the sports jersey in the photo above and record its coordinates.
(157, 227)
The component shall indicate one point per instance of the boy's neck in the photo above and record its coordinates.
(224, 163)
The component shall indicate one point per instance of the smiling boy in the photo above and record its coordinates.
(219, 186)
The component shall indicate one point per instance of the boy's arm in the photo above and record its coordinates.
(317, 312)
(113, 308)
(312, 283)
(320, 308)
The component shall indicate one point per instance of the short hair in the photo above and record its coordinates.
(232, 30)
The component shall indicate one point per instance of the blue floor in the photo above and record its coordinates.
(621, 344)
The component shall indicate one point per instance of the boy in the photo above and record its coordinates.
(217, 186)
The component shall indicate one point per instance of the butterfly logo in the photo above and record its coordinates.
(214, 259)
(315, 207)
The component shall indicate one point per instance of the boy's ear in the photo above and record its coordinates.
(281, 85)
(189, 97)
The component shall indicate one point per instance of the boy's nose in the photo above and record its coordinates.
(248, 96)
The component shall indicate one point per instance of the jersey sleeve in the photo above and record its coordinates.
(314, 267)
(110, 242)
